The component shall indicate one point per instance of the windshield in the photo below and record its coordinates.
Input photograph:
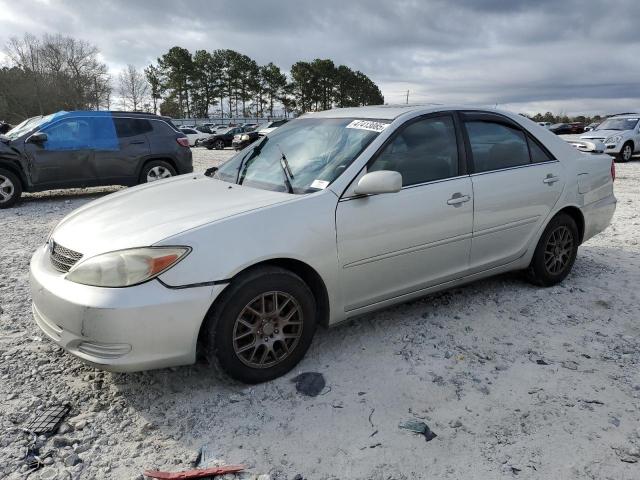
(26, 126)
(618, 124)
(315, 150)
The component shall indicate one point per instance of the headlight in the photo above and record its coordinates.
(244, 138)
(614, 139)
(125, 268)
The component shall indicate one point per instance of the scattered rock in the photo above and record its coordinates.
(72, 460)
(309, 383)
(418, 427)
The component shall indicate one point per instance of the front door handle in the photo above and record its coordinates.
(136, 142)
(458, 199)
(551, 179)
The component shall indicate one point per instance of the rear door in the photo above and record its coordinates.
(122, 164)
(65, 159)
(516, 184)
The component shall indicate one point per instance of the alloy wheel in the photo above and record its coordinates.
(158, 173)
(558, 251)
(7, 189)
(627, 153)
(268, 329)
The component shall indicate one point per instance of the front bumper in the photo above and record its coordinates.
(119, 329)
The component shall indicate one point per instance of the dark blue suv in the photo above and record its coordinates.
(87, 149)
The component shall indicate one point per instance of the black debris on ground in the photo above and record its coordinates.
(309, 383)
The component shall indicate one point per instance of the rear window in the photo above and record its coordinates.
(130, 127)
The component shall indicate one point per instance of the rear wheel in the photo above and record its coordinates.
(262, 325)
(555, 253)
(10, 188)
(626, 153)
(156, 170)
(219, 144)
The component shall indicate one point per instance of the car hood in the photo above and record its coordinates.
(602, 133)
(147, 214)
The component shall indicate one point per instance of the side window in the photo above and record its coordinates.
(495, 146)
(71, 134)
(130, 127)
(537, 153)
(423, 151)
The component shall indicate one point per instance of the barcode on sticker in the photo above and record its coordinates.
(321, 184)
(368, 125)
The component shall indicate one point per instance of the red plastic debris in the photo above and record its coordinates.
(198, 473)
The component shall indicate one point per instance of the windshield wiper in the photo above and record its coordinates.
(286, 169)
(245, 161)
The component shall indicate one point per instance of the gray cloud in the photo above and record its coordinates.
(572, 55)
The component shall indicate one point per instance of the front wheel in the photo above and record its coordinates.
(10, 188)
(219, 145)
(555, 253)
(626, 152)
(262, 325)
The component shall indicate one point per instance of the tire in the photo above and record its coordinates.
(10, 188)
(156, 170)
(626, 153)
(209, 147)
(219, 144)
(245, 345)
(552, 263)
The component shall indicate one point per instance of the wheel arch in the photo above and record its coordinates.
(14, 167)
(575, 213)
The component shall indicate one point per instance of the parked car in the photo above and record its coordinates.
(85, 149)
(4, 127)
(194, 136)
(334, 215)
(620, 135)
(577, 127)
(242, 140)
(221, 139)
(545, 124)
(561, 129)
(591, 126)
(249, 127)
(269, 127)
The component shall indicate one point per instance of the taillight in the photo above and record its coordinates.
(613, 170)
(184, 141)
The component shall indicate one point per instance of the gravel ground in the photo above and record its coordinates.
(514, 380)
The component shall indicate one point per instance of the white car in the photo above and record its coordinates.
(333, 215)
(620, 135)
(194, 135)
(269, 127)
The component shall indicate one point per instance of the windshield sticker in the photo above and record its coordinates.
(368, 125)
(321, 184)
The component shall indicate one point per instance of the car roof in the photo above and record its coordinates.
(391, 112)
(626, 115)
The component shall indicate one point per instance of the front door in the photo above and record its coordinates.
(394, 244)
(66, 158)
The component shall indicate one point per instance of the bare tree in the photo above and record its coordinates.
(133, 87)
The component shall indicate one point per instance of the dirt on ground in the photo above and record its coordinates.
(514, 380)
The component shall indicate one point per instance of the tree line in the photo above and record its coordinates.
(563, 118)
(192, 85)
(51, 73)
(56, 72)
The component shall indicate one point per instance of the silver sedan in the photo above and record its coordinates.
(333, 215)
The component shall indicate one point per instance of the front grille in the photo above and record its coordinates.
(62, 258)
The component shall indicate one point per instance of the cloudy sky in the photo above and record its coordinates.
(568, 56)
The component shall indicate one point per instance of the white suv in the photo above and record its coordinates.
(620, 134)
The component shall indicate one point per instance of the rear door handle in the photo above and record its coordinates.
(551, 179)
(458, 199)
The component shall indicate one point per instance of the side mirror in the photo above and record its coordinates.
(38, 138)
(381, 181)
